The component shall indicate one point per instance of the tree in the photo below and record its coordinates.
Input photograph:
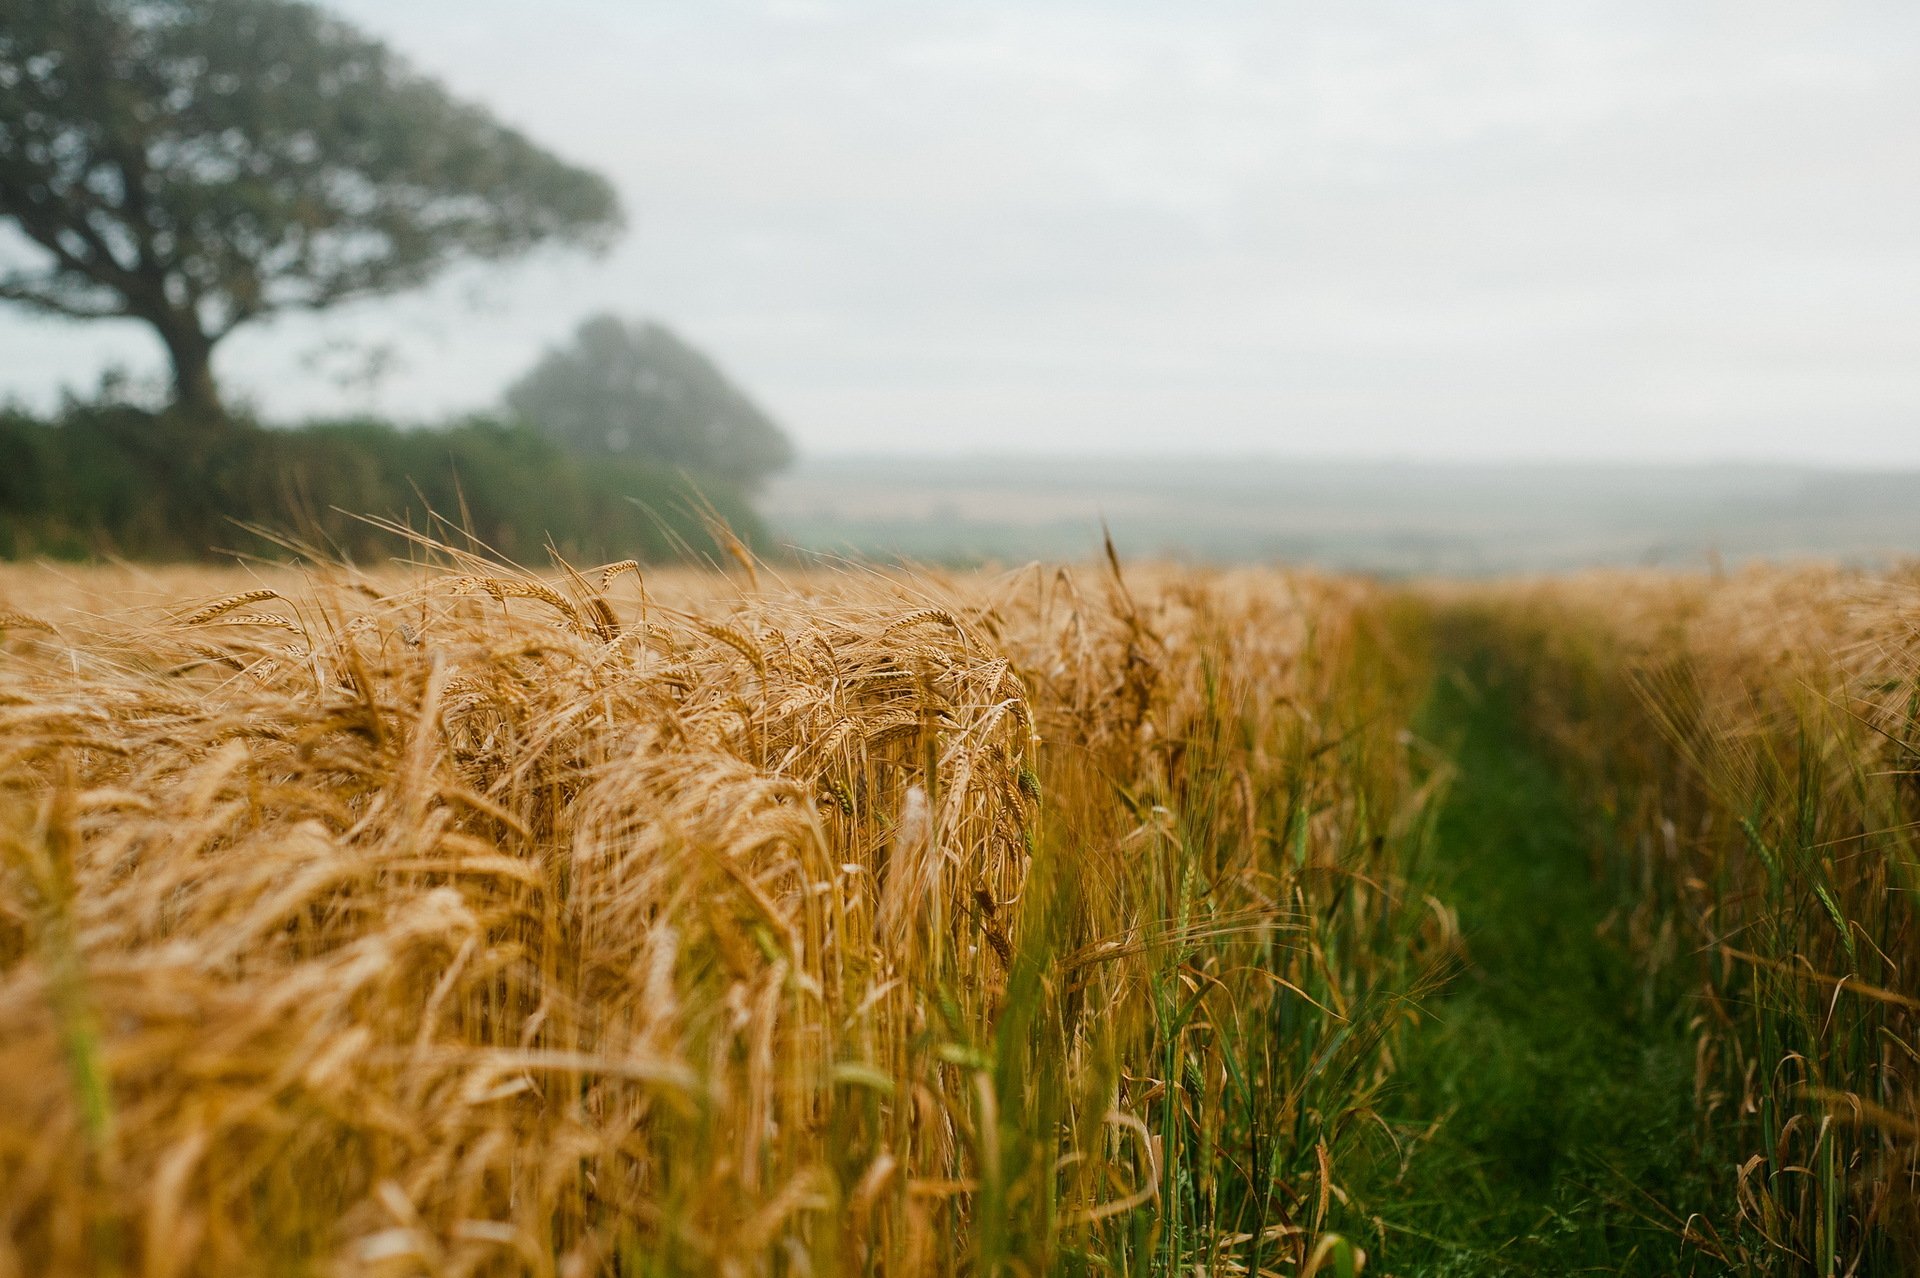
(199, 164)
(638, 390)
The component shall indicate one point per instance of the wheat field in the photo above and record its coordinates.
(1755, 741)
(457, 919)
(451, 918)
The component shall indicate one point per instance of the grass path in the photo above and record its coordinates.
(1565, 1080)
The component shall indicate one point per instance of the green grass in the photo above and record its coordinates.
(1544, 1109)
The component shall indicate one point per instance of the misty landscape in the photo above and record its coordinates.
(1396, 519)
(823, 639)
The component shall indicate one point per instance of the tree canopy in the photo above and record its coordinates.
(198, 164)
(621, 389)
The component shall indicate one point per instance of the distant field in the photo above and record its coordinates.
(1388, 517)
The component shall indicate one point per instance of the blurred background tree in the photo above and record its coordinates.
(200, 164)
(636, 390)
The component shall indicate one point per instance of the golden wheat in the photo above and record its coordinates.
(1755, 736)
(852, 923)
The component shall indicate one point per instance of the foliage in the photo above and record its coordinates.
(116, 480)
(637, 390)
(198, 164)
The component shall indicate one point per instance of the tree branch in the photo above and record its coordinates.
(24, 292)
(44, 219)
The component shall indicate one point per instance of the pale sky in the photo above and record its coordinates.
(1636, 229)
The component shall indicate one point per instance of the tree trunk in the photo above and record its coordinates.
(195, 393)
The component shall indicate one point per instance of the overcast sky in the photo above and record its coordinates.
(1619, 229)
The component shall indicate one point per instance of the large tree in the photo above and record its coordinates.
(640, 391)
(198, 164)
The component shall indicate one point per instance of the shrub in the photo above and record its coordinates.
(117, 480)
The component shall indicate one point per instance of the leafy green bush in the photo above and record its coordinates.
(117, 480)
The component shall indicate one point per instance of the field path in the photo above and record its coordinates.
(1563, 1078)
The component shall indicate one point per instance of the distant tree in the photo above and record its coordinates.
(620, 389)
(198, 164)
